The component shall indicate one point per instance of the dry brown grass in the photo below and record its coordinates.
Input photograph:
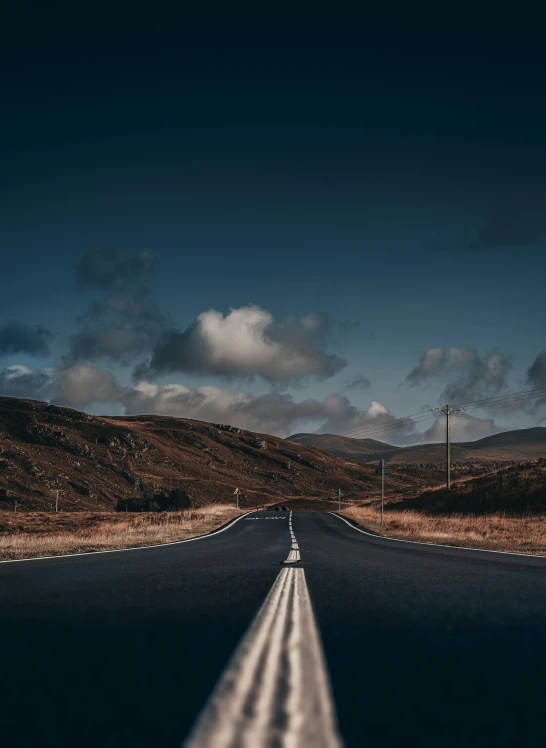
(497, 532)
(32, 534)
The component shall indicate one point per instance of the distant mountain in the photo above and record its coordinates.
(522, 444)
(342, 446)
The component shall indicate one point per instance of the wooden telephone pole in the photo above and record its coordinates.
(447, 411)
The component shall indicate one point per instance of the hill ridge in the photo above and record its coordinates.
(516, 444)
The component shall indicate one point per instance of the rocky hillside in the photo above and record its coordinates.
(515, 490)
(155, 462)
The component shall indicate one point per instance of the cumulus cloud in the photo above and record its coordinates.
(18, 381)
(462, 428)
(83, 384)
(126, 322)
(16, 337)
(271, 413)
(433, 363)
(76, 386)
(246, 342)
(470, 376)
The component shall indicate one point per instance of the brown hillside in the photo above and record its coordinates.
(516, 489)
(156, 462)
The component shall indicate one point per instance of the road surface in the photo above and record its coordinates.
(367, 642)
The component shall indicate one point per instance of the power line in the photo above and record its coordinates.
(385, 425)
(486, 400)
(510, 398)
(393, 424)
(387, 422)
(365, 432)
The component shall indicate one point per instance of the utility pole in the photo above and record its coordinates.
(15, 509)
(53, 486)
(382, 471)
(382, 489)
(447, 411)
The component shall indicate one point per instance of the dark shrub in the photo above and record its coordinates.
(168, 501)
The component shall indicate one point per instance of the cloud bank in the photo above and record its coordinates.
(85, 385)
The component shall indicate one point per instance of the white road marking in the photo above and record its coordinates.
(436, 545)
(251, 519)
(275, 689)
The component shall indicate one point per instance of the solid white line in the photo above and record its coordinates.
(250, 707)
(436, 545)
(122, 550)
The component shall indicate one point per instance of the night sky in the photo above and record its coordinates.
(287, 224)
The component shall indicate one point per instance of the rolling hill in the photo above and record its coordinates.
(157, 462)
(521, 444)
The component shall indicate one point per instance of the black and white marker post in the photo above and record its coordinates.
(236, 493)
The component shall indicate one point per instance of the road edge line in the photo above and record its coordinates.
(134, 548)
(434, 545)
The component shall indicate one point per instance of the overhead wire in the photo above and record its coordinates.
(388, 424)
(387, 421)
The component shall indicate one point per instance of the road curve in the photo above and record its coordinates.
(423, 645)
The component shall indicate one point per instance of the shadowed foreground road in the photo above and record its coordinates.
(425, 646)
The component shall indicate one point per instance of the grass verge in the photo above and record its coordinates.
(497, 532)
(36, 534)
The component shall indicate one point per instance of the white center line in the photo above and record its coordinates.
(275, 690)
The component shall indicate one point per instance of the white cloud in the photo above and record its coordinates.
(83, 384)
(246, 342)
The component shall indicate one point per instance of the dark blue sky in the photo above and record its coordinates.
(390, 177)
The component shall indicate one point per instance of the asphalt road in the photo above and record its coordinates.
(424, 645)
